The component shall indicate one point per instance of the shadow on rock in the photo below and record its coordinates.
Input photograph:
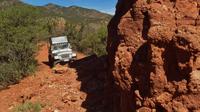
(91, 72)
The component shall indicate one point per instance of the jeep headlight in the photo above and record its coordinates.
(56, 56)
(73, 54)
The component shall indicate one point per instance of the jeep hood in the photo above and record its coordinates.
(62, 51)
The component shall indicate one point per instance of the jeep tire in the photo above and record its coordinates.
(51, 61)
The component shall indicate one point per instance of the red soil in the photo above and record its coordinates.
(54, 91)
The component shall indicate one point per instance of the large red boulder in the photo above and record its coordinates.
(154, 56)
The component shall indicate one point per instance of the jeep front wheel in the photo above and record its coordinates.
(51, 61)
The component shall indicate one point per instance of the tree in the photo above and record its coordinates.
(95, 43)
(56, 26)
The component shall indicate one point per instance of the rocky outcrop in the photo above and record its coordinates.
(154, 56)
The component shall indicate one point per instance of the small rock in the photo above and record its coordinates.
(56, 110)
(164, 97)
(11, 107)
(144, 109)
(60, 70)
(73, 98)
(65, 98)
(82, 97)
(179, 107)
(194, 84)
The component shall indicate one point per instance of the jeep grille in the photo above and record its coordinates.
(65, 56)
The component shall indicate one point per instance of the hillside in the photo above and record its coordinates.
(8, 3)
(76, 14)
(90, 18)
(73, 14)
(76, 22)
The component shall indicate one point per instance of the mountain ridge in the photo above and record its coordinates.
(74, 14)
(74, 6)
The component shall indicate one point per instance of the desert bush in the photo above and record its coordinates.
(95, 43)
(20, 29)
(56, 26)
(28, 107)
(88, 42)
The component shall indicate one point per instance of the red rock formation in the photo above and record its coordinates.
(154, 56)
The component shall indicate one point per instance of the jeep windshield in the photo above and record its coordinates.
(60, 46)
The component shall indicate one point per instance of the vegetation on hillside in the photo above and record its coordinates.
(90, 43)
(20, 29)
(76, 14)
(23, 26)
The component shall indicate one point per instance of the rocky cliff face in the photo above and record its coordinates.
(154, 56)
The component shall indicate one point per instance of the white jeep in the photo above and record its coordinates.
(60, 50)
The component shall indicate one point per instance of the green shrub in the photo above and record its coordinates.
(28, 107)
(88, 42)
(20, 29)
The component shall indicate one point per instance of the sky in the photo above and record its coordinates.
(107, 6)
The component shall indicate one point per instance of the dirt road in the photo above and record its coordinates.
(56, 92)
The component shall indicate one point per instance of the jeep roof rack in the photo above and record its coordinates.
(57, 40)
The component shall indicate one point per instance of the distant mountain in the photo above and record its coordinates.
(72, 14)
(76, 14)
